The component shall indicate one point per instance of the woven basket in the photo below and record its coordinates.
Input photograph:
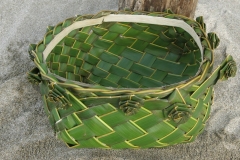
(127, 79)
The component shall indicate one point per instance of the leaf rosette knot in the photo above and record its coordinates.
(229, 69)
(34, 76)
(130, 104)
(58, 96)
(213, 40)
(178, 112)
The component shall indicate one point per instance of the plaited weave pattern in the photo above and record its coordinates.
(128, 85)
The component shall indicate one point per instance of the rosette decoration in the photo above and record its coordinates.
(58, 95)
(214, 40)
(228, 69)
(34, 76)
(178, 112)
(130, 104)
(127, 79)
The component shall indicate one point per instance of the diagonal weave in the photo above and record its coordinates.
(125, 84)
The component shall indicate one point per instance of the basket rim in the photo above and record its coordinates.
(124, 18)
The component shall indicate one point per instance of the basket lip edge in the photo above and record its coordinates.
(101, 19)
(119, 18)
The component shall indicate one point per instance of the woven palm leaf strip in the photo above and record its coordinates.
(126, 84)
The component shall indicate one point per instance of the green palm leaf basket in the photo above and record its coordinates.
(127, 79)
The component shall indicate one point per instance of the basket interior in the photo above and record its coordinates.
(126, 55)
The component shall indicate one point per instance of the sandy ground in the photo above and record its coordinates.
(24, 129)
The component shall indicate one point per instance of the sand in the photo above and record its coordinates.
(24, 129)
